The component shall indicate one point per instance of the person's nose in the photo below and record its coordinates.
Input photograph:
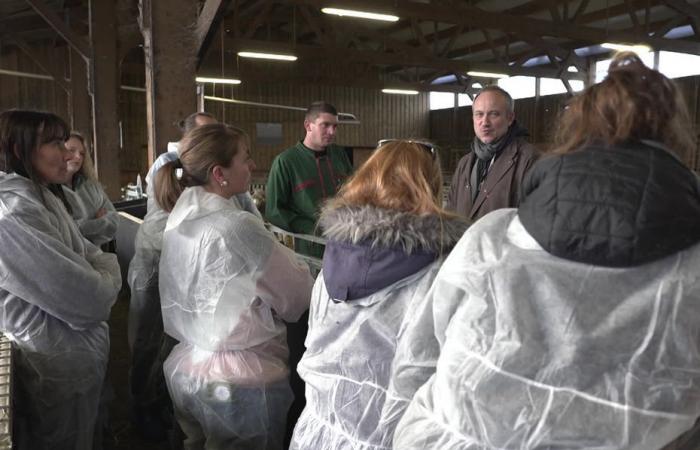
(332, 130)
(67, 154)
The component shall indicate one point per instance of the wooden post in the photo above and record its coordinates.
(79, 96)
(170, 48)
(104, 83)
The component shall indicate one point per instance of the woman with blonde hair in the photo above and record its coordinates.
(387, 236)
(573, 322)
(226, 285)
(90, 207)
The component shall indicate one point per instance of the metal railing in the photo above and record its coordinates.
(288, 238)
(5, 393)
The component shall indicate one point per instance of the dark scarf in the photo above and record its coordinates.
(485, 153)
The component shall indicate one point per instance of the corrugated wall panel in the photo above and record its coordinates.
(27, 93)
(380, 115)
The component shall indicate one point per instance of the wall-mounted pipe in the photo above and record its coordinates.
(38, 76)
(343, 117)
(15, 73)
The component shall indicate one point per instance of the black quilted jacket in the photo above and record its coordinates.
(612, 206)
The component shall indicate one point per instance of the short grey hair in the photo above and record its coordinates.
(189, 123)
(494, 88)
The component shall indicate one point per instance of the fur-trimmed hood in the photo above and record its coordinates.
(391, 229)
(370, 248)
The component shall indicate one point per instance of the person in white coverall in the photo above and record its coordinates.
(56, 290)
(226, 285)
(186, 125)
(151, 409)
(573, 322)
(387, 237)
(90, 207)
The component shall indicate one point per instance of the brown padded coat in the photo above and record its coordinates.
(500, 188)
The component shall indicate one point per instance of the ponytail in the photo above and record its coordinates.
(168, 188)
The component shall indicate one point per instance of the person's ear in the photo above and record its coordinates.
(218, 174)
(307, 125)
(511, 117)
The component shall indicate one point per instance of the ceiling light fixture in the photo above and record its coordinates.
(626, 47)
(360, 14)
(273, 56)
(400, 91)
(474, 73)
(217, 80)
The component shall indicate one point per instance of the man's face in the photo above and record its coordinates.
(320, 133)
(491, 116)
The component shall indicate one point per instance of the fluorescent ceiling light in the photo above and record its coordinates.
(400, 91)
(477, 85)
(217, 80)
(487, 74)
(360, 14)
(626, 47)
(274, 56)
(572, 69)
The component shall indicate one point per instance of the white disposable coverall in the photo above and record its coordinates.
(87, 198)
(225, 284)
(56, 291)
(362, 363)
(532, 359)
(145, 324)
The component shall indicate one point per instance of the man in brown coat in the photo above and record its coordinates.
(489, 177)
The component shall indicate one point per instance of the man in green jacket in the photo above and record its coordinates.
(304, 176)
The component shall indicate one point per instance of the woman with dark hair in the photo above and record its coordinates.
(56, 289)
(226, 285)
(96, 217)
(573, 322)
(387, 236)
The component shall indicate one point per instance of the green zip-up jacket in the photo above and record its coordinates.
(299, 181)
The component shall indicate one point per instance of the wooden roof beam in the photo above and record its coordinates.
(258, 21)
(330, 77)
(403, 59)
(471, 16)
(685, 8)
(207, 25)
(656, 27)
(586, 18)
(79, 43)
